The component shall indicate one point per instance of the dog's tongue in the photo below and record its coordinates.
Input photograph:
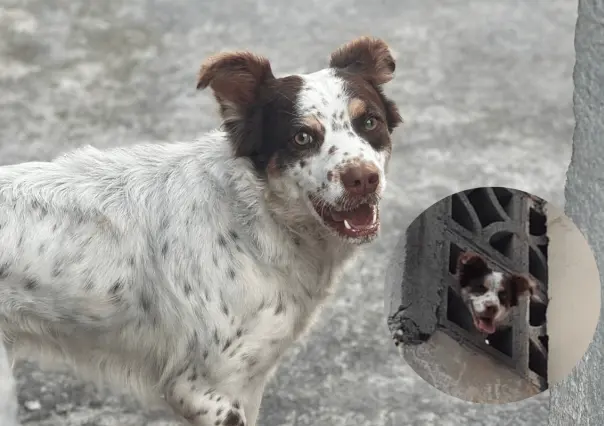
(485, 326)
(361, 216)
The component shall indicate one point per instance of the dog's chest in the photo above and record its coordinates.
(255, 310)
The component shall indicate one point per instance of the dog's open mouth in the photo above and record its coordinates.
(360, 222)
(484, 324)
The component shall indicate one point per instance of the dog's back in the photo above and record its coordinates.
(82, 256)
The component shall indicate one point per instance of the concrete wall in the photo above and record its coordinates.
(578, 399)
(574, 292)
(465, 373)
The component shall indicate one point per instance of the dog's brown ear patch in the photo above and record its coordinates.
(235, 79)
(522, 285)
(518, 286)
(367, 56)
(470, 259)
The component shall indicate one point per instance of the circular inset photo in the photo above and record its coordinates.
(493, 295)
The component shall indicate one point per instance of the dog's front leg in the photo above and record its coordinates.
(202, 405)
(252, 403)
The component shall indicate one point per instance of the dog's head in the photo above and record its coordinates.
(321, 141)
(489, 295)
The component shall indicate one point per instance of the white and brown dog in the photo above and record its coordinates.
(489, 295)
(186, 270)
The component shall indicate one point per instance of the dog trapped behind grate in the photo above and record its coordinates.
(507, 229)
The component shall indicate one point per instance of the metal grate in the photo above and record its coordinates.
(508, 229)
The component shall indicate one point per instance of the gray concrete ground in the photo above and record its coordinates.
(486, 91)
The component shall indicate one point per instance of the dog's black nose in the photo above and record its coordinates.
(490, 310)
(361, 179)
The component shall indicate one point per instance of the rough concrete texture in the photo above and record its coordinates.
(8, 400)
(461, 371)
(416, 293)
(485, 88)
(578, 400)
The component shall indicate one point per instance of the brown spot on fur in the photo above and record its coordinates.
(376, 103)
(365, 64)
(367, 56)
(332, 150)
(350, 162)
(330, 175)
(313, 123)
(356, 108)
(518, 285)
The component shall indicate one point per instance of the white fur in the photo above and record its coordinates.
(482, 301)
(325, 97)
(490, 298)
(113, 261)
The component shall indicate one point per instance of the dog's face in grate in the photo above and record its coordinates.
(489, 295)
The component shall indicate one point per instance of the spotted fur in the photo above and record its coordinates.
(186, 270)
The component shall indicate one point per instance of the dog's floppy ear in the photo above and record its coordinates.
(519, 286)
(235, 79)
(470, 266)
(366, 56)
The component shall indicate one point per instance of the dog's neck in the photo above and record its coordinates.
(310, 239)
(267, 214)
(297, 221)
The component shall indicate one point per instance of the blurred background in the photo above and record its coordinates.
(485, 88)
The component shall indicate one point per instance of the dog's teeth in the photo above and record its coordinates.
(347, 225)
(374, 219)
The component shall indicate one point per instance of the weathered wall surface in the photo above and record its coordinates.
(578, 400)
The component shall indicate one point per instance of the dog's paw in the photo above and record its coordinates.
(233, 417)
(212, 409)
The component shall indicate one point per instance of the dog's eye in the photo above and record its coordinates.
(370, 123)
(479, 288)
(303, 138)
